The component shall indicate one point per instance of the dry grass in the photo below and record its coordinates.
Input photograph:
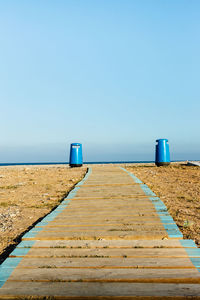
(178, 186)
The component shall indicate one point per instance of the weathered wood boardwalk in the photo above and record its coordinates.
(110, 238)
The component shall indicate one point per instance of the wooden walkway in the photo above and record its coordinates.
(111, 238)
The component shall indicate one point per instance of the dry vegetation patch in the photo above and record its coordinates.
(29, 193)
(178, 186)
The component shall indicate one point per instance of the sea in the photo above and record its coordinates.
(87, 162)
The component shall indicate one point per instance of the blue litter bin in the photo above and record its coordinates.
(162, 153)
(76, 157)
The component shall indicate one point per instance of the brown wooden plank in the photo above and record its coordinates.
(105, 220)
(111, 212)
(108, 228)
(130, 235)
(109, 244)
(88, 217)
(90, 289)
(107, 275)
(54, 262)
(112, 206)
(107, 252)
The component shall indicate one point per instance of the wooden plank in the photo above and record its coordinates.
(99, 253)
(103, 184)
(130, 235)
(118, 244)
(104, 197)
(110, 211)
(111, 206)
(100, 225)
(107, 275)
(55, 262)
(97, 206)
(100, 217)
(110, 194)
(117, 189)
(114, 212)
(100, 201)
(109, 228)
(90, 289)
(106, 220)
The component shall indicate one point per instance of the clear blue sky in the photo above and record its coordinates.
(114, 75)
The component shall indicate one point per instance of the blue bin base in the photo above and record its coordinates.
(75, 165)
(162, 163)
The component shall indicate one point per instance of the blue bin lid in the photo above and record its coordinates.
(162, 140)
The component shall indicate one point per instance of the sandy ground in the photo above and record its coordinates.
(178, 186)
(28, 193)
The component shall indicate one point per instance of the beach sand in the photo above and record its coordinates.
(178, 186)
(28, 193)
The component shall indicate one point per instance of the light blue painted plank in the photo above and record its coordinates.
(19, 252)
(195, 261)
(7, 267)
(81, 183)
(147, 190)
(50, 218)
(193, 252)
(154, 198)
(166, 218)
(148, 193)
(160, 205)
(71, 196)
(137, 180)
(157, 202)
(2, 283)
(161, 209)
(188, 243)
(41, 224)
(175, 235)
(168, 222)
(171, 230)
(171, 226)
(11, 262)
(33, 231)
(65, 202)
(163, 213)
(5, 273)
(30, 235)
(59, 208)
(25, 244)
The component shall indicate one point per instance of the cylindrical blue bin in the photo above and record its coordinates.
(76, 157)
(162, 153)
